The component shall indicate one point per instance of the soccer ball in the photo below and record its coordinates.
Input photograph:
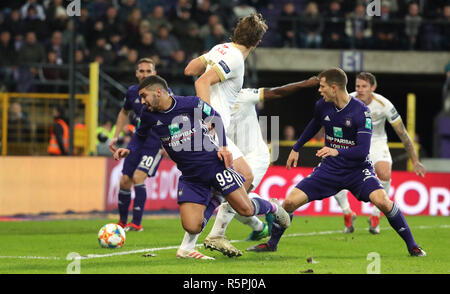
(111, 236)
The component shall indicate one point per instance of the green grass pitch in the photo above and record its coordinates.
(42, 247)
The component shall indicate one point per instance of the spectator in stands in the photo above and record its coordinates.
(385, 29)
(216, 37)
(126, 9)
(129, 63)
(80, 57)
(178, 9)
(29, 54)
(7, 56)
(98, 30)
(49, 72)
(16, 27)
(111, 22)
(132, 27)
(358, 28)
(192, 44)
(85, 23)
(146, 47)
(103, 49)
(99, 8)
(334, 31)
(202, 13)
(36, 24)
(166, 44)
(56, 15)
(287, 25)
(56, 46)
(19, 126)
(207, 29)
(180, 84)
(40, 13)
(413, 24)
(289, 133)
(311, 27)
(158, 18)
(182, 23)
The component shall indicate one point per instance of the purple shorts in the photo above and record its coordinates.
(323, 183)
(200, 190)
(146, 159)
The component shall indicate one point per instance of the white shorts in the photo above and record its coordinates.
(235, 151)
(379, 151)
(259, 161)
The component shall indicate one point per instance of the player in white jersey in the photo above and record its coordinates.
(246, 133)
(382, 110)
(221, 76)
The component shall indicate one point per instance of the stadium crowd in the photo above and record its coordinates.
(119, 32)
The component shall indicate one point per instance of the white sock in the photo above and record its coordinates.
(224, 216)
(189, 241)
(342, 200)
(252, 221)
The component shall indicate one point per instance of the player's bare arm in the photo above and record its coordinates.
(324, 152)
(195, 67)
(122, 120)
(402, 133)
(286, 90)
(203, 83)
(292, 159)
(121, 153)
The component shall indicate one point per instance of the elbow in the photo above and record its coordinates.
(188, 71)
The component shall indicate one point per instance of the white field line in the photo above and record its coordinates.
(90, 256)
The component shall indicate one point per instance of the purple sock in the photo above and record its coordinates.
(139, 203)
(124, 204)
(399, 224)
(277, 232)
(263, 206)
(212, 205)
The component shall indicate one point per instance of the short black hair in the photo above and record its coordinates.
(153, 80)
(334, 76)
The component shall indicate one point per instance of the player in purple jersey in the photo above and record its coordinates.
(345, 164)
(142, 164)
(182, 124)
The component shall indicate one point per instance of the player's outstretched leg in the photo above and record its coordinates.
(396, 220)
(191, 214)
(295, 199)
(349, 215)
(124, 200)
(216, 239)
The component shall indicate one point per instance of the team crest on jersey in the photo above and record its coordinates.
(225, 67)
(368, 124)
(348, 122)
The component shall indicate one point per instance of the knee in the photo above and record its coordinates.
(381, 201)
(289, 205)
(139, 178)
(192, 228)
(384, 175)
(246, 211)
(125, 182)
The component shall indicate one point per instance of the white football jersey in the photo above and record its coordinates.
(381, 109)
(244, 129)
(228, 62)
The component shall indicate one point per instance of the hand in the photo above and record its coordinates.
(324, 152)
(419, 169)
(225, 156)
(121, 153)
(112, 145)
(292, 159)
(313, 81)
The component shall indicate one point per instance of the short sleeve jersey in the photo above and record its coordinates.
(382, 109)
(341, 129)
(228, 62)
